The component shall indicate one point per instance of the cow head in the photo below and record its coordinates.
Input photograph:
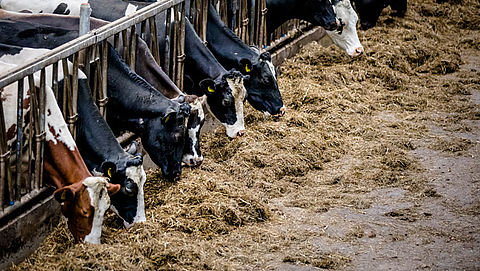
(225, 96)
(346, 36)
(262, 88)
(129, 202)
(320, 12)
(164, 140)
(192, 155)
(84, 205)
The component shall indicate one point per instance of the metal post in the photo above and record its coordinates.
(85, 12)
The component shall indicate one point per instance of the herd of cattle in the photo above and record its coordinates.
(94, 171)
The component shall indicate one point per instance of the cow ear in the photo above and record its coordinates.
(207, 86)
(246, 65)
(64, 194)
(112, 188)
(170, 119)
(109, 169)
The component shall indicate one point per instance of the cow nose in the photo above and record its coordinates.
(198, 161)
(241, 133)
(283, 110)
(358, 51)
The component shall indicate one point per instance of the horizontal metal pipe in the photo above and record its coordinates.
(84, 41)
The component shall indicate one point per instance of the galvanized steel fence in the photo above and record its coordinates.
(21, 166)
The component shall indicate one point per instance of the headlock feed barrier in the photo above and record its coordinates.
(21, 162)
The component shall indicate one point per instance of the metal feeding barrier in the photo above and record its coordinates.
(21, 183)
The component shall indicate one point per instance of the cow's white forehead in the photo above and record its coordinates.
(137, 174)
(99, 199)
(239, 92)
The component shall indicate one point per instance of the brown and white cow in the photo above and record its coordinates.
(83, 197)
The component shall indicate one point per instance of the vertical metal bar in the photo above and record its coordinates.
(19, 140)
(73, 114)
(40, 136)
(29, 181)
(4, 155)
(173, 43)
(153, 37)
(103, 93)
(125, 46)
(204, 20)
(181, 48)
(55, 79)
(84, 25)
(168, 26)
(133, 46)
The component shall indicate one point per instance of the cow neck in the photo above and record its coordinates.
(63, 162)
(280, 11)
(147, 67)
(131, 94)
(225, 45)
(33, 35)
(95, 139)
(200, 62)
(53, 20)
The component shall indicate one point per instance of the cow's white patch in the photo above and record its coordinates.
(99, 199)
(239, 92)
(55, 125)
(44, 6)
(272, 68)
(348, 39)
(130, 9)
(137, 174)
(193, 132)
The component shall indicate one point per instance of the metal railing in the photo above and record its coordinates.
(21, 184)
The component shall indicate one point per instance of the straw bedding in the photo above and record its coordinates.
(349, 129)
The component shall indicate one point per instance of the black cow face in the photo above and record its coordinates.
(164, 140)
(369, 11)
(127, 202)
(225, 97)
(323, 13)
(262, 88)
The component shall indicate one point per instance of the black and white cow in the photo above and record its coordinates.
(95, 140)
(225, 90)
(317, 12)
(369, 10)
(232, 53)
(136, 106)
(147, 67)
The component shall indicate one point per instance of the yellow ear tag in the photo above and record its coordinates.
(167, 118)
(210, 89)
(247, 69)
(109, 172)
(64, 195)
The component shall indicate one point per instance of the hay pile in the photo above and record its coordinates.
(349, 129)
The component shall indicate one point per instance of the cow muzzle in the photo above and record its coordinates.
(357, 52)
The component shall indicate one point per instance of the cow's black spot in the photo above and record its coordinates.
(62, 9)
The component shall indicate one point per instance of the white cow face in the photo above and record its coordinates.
(346, 38)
